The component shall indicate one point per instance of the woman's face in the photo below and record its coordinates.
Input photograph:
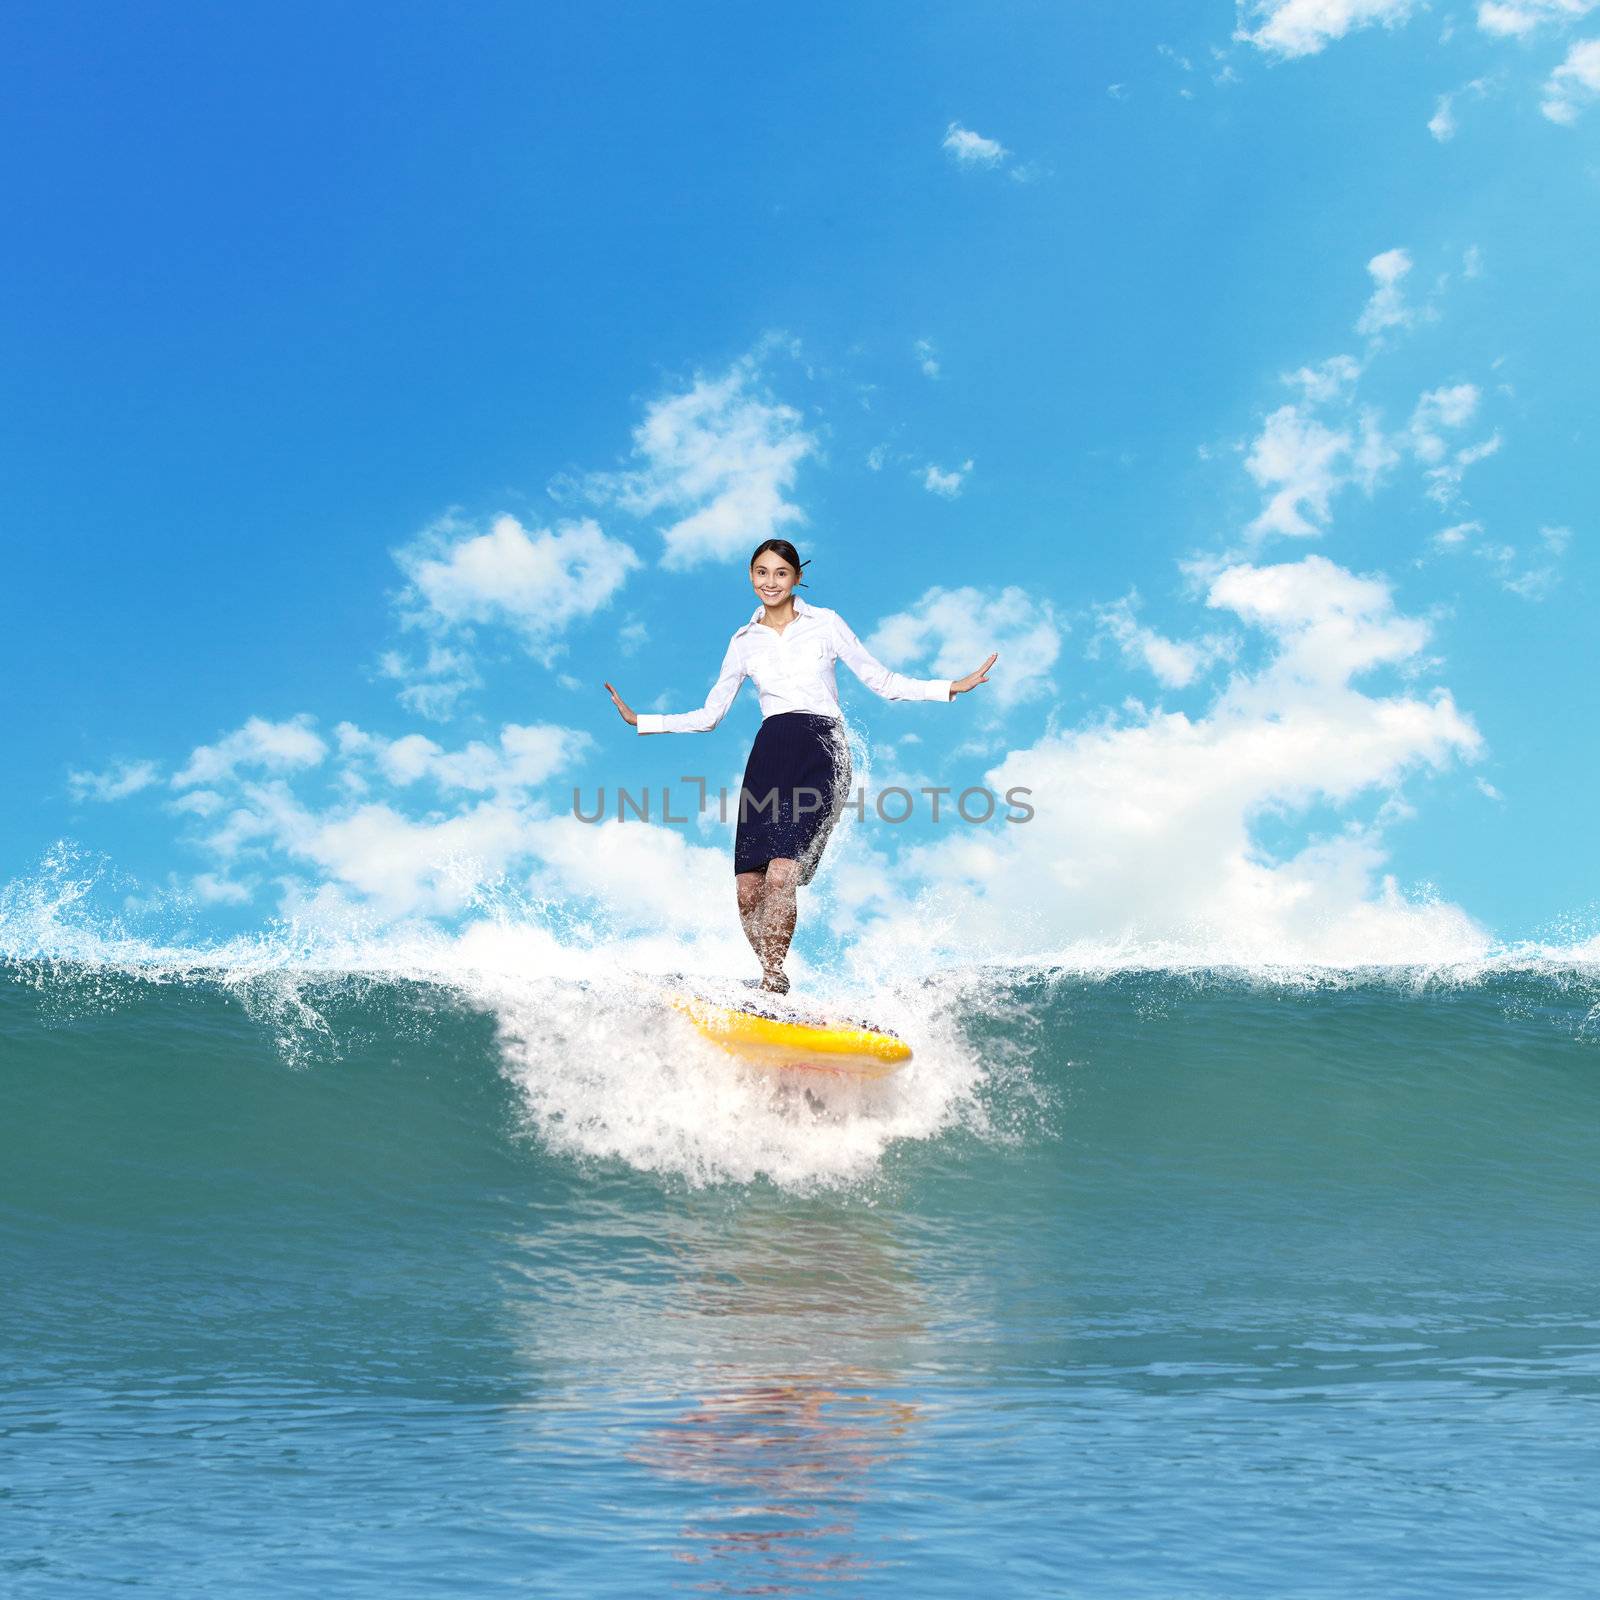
(772, 578)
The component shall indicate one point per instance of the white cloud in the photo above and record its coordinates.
(1520, 17)
(1326, 381)
(1536, 581)
(116, 783)
(1297, 460)
(403, 866)
(372, 856)
(1444, 480)
(1387, 307)
(951, 632)
(198, 803)
(1527, 579)
(393, 864)
(1176, 663)
(946, 484)
(212, 890)
(435, 684)
(1144, 829)
(536, 582)
(267, 746)
(647, 875)
(524, 758)
(486, 825)
(722, 459)
(969, 149)
(1442, 125)
(1574, 84)
(1446, 408)
(372, 859)
(1288, 28)
(1301, 459)
(1375, 451)
(927, 358)
(1330, 625)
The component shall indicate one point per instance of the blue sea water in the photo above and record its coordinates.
(1137, 1283)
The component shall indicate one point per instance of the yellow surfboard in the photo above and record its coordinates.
(765, 1036)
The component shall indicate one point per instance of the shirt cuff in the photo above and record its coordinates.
(651, 721)
(941, 689)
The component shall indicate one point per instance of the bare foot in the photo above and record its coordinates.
(775, 982)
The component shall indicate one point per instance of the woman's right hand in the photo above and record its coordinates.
(628, 716)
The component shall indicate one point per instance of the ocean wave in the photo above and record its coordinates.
(600, 1069)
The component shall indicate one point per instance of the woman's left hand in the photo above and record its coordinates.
(973, 679)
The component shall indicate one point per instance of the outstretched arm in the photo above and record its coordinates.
(701, 721)
(879, 678)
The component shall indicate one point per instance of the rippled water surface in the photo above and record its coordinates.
(1136, 1285)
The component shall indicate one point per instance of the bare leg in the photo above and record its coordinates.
(750, 886)
(776, 922)
(767, 910)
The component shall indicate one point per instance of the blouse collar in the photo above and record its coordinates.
(800, 609)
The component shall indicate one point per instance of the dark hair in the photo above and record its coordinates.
(782, 547)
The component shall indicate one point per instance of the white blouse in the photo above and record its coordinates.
(793, 671)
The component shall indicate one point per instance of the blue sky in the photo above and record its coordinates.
(304, 302)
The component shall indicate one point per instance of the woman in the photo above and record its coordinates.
(798, 776)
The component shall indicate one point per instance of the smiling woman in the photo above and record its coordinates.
(798, 773)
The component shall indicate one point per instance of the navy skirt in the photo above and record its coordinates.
(795, 785)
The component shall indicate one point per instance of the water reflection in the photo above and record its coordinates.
(801, 1408)
(787, 1464)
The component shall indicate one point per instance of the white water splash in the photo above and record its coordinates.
(607, 1070)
